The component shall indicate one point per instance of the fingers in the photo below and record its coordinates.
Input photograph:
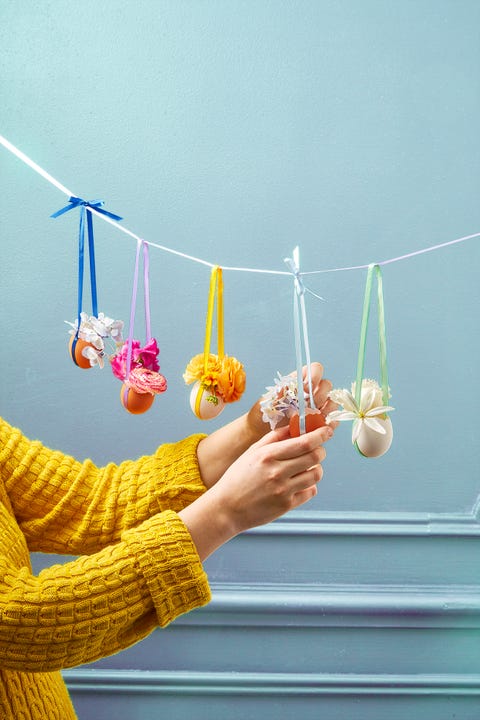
(316, 371)
(293, 464)
(320, 386)
(328, 407)
(283, 447)
(320, 391)
(306, 477)
(302, 497)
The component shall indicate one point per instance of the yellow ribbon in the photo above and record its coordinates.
(215, 291)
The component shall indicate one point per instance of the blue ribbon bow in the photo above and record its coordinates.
(76, 202)
(96, 205)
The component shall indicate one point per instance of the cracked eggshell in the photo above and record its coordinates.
(313, 420)
(134, 402)
(75, 350)
(373, 444)
(209, 405)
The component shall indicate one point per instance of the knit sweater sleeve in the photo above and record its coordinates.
(66, 506)
(97, 605)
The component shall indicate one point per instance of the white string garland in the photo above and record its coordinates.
(56, 183)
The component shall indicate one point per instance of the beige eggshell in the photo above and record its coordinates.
(373, 444)
(210, 405)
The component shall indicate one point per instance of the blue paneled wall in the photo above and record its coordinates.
(234, 131)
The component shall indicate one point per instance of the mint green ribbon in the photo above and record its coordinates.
(373, 270)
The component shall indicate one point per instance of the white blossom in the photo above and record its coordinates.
(281, 400)
(365, 413)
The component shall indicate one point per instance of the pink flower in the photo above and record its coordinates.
(147, 356)
(142, 357)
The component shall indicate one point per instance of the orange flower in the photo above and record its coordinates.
(195, 370)
(231, 380)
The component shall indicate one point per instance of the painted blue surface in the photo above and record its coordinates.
(234, 131)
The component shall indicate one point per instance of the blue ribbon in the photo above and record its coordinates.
(76, 202)
(96, 205)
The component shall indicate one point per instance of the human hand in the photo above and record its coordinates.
(275, 475)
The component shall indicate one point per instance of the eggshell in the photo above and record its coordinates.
(374, 444)
(209, 405)
(313, 420)
(136, 403)
(75, 349)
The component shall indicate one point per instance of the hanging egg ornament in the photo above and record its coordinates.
(313, 420)
(134, 402)
(204, 402)
(373, 444)
(76, 347)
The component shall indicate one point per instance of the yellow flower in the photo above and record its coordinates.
(231, 381)
(195, 370)
(227, 376)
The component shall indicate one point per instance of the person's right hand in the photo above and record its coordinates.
(275, 475)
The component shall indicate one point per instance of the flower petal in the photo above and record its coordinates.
(379, 410)
(375, 425)
(356, 430)
(368, 399)
(340, 415)
(345, 398)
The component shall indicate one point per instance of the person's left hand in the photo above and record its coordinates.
(320, 386)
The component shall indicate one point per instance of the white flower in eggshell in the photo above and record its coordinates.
(205, 404)
(373, 443)
(372, 431)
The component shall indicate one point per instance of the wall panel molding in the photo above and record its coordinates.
(419, 606)
(277, 684)
(413, 524)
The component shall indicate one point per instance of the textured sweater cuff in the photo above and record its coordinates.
(177, 466)
(168, 560)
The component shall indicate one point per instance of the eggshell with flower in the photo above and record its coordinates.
(374, 443)
(372, 431)
(144, 380)
(76, 348)
(134, 402)
(218, 381)
(87, 342)
(205, 402)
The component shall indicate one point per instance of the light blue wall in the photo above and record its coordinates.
(234, 131)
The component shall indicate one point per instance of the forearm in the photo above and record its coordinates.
(275, 475)
(66, 506)
(219, 450)
(208, 526)
(97, 605)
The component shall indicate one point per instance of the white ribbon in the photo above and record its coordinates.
(300, 333)
(53, 181)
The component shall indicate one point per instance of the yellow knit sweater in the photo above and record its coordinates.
(138, 567)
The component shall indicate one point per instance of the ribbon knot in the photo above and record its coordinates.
(84, 205)
(293, 264)
(75, 202)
